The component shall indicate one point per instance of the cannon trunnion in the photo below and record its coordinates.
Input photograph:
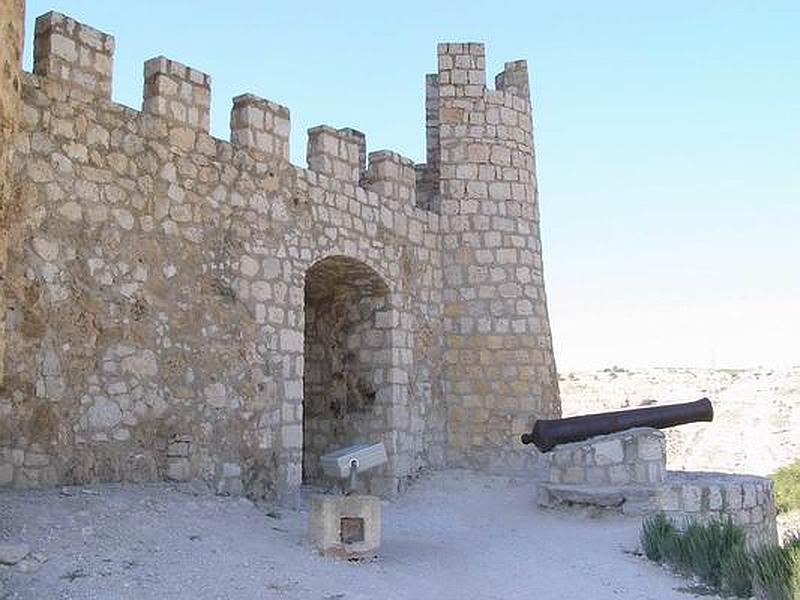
(548, 433)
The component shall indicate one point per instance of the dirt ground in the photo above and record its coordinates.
(456, 535)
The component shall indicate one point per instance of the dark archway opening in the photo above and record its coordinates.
(347, 359)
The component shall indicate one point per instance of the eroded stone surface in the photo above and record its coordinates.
(328, 529)
(11, 554)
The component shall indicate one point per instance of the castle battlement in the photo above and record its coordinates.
(260, 125)
(177, 92)
(71, 51)
(82, 57)
(187, 307)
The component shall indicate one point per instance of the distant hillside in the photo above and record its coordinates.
(756, 426)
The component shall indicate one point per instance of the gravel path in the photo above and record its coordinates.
(455, 535)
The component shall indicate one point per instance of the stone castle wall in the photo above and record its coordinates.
(186, 307)
(11, 37)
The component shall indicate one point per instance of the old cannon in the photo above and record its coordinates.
(548, 433)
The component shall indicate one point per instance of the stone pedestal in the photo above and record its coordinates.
(346, 526)
(632, 457)
(626, 472)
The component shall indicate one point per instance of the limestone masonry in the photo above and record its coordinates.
(184, 307)
(627, 472)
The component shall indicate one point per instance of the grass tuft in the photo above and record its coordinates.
(773, 572)
(737, 574)
(716, 553)
(658, 538)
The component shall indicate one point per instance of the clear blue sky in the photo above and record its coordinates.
(667, 134)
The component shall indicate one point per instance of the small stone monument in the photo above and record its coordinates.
(348, 526)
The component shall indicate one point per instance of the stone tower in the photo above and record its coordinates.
(499, 365)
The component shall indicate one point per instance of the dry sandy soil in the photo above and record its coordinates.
(456, 535)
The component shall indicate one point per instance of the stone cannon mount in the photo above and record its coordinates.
(626, 472)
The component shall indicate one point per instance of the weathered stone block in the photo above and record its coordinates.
(6, 474)
(652, 446)
(260, 125)
(292, 436)
(748, 495)
(103, 414)
(11, 554)
(714, 498)
(337, 153)
(74, 52)
(656, 472)
(178, 450)
(597, 475)
(231, 470)
(177, 92)
(179, 469)
(691, 498)
(670, 498)
(573, 475)
(733, 497)
(346, 526)
(619, 474)
(608, 452)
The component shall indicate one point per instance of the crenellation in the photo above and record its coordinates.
(514, 80)
(391, 175)
(360, 139)
(462, 70)
(260, 125)
(337, 153)
(177, 92)
(71, 51)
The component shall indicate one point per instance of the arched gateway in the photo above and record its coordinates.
(348, 387)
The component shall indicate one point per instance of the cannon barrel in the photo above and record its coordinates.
(548, 433)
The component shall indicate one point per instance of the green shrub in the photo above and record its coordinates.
(658, 538)
(773, 572)
(710, 547)
(786, 481)
(737, 574)
(717, 554)
(792, 546)
(706, 550)
(688, 555)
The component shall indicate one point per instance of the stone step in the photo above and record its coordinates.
(631, 500)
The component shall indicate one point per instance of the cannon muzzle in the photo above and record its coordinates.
(548, 433)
